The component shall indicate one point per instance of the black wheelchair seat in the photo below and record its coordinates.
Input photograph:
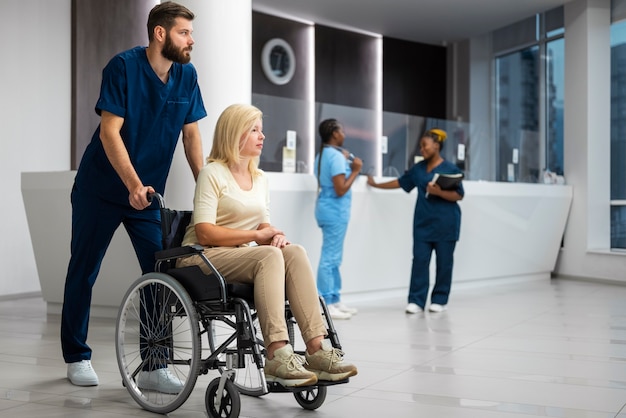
(194, 280)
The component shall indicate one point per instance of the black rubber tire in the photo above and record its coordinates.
(230, 401)
(160, 306)
(311, 398)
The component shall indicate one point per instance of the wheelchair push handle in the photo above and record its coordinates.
(158, 197)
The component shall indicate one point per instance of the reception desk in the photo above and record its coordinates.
(508, 231)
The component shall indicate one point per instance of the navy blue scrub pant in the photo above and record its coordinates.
(420, 273)
(94, 221)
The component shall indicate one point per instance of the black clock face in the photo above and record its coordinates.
(278, 61)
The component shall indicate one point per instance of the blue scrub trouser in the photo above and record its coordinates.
(420, 273)
(328, 276)
(94, 222)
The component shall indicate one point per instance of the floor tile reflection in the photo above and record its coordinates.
(552, 348)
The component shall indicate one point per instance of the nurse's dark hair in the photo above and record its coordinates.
(165, 14)
(437, 135)
(326, 129)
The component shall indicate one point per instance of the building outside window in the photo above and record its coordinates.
(555, 78)
(529, 80)
(618, 135)
(517, 115)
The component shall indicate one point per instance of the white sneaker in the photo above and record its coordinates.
(160, 380)
(413, 308)
(344, 308)
(335, 313)
(81, 373)
(435, 307)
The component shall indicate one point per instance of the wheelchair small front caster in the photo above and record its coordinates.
(227, 404)
(311, 398)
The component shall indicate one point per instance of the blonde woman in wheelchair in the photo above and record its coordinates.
(231, 220)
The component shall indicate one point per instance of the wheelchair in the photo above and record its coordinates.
(167, 316)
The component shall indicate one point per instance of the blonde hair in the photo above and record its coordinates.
(234, 123)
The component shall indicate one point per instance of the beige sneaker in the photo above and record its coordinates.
(287, 369)
(328, 363)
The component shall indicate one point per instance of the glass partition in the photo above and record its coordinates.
(361, 127)
(283, 118)
(400, 142)
(292, 140)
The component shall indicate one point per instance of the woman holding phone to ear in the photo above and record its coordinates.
(336, 170)
(436, 222)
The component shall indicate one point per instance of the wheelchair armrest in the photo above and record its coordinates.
(179, 252)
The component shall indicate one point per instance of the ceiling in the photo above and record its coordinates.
(428, 21)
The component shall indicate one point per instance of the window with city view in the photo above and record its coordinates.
(618, 135)
(529, 84)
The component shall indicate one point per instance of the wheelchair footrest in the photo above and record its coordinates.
(277, 387)
(331, 382)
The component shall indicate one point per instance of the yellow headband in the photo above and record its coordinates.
(440, 134)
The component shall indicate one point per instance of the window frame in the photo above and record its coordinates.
(542, 39)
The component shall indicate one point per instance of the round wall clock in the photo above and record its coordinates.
(278, 61)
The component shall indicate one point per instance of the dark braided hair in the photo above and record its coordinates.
(326, 129)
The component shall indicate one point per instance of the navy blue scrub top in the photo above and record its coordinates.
(435, 219)
(154, 114)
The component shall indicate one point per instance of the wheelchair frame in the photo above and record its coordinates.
(165, 315)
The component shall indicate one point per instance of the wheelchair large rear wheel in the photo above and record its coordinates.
(157, 328)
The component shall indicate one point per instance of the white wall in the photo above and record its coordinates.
(35, 78)
(221, 29)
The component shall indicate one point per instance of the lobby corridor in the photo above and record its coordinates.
(548, 348)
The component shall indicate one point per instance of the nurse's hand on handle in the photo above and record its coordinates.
(138, 198)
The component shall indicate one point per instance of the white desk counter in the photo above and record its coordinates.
(507, 231)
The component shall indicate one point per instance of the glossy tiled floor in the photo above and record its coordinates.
(542, 348)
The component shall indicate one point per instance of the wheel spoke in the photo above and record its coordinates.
(158, 328)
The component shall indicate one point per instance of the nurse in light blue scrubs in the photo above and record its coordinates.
(336, 170)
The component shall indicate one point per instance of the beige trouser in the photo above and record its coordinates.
(274, 272)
